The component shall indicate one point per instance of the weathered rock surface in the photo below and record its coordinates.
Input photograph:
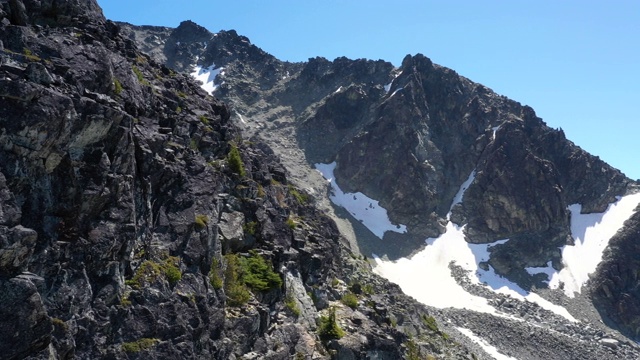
(124, 215)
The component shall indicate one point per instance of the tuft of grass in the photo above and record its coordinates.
(171, 269)
(250, 228)
(201, 221)
(150, 271)
(140, 76)
(291, 223)
(413, 351)
(193, 144)
(140, 59)
(214, 275)
(235, 161)
(261, 192)
(350, 299)
(368, 289)
(203, 119)
(139, 345)
(430, 322)
(181, 94)
(244, 273)
(258, 274)
(291, 304)
(60, 323)
(300, 197)
(29, 55)
(117, 86)
(237, 292)
(329, 328)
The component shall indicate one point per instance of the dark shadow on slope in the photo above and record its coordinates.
(393, 246)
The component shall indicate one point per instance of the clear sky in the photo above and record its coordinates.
(576, 62)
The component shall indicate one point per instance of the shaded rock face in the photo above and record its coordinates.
(121, 213)
(615, 289)
(52, 12)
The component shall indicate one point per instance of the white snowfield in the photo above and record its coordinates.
(426, 275)
(366, 210)
(490, 349)
(591, 234)
(207, 76)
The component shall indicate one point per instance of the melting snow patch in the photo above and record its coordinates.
(490, 349)
(241, 117)
(427, 277)
(542, 270)
(398, 89)
(440, 289)
(494, 129)
(363, 208)
(388, 86)
(207, 76)
(465, 185)
(591, 234)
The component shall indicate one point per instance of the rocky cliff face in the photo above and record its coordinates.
(136, 222)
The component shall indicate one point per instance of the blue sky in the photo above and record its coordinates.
(577, 63)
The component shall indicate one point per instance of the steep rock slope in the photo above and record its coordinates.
(616, 289)
(136, 222)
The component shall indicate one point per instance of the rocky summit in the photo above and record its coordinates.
(164, 195)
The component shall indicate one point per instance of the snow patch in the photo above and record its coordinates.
(440, 289)
(494, 129)
(398, 89)
(241, 117)
(460, 194)
(490, 349)
(366, 210)
(542, 270)
(207, 76)
(388, 86)
(436, 287)
(591, 234)
(337, 91)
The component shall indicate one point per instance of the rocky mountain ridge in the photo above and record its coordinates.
(408, 137)
(392, 132)
(138, 223)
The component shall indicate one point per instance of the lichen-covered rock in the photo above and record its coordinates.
(25, 327)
